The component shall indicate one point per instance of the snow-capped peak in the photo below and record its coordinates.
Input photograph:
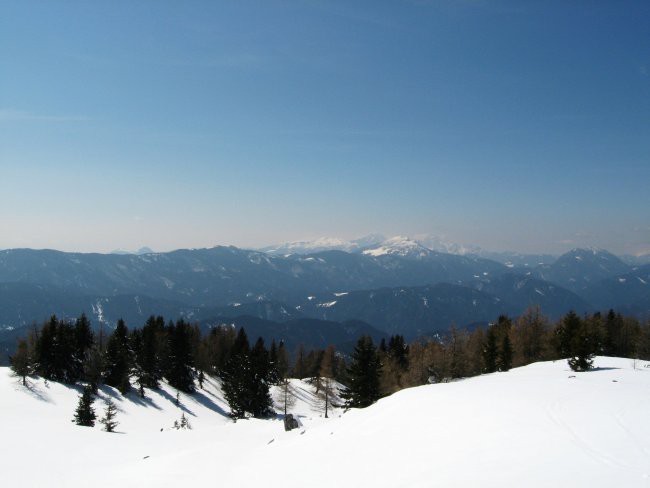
(400, 246)
(325, 244)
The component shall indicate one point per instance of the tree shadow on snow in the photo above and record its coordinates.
(118, 398)
(33, 390)
(172, 399)
(200, 397)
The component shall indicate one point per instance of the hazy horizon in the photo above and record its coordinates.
(471, 247)
(509, 125)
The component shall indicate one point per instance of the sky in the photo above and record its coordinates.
(510, 125)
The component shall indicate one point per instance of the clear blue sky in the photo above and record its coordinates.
(510, 125)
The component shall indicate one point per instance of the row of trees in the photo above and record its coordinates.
(71, 352)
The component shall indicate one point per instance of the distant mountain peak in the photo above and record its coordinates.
(139, 252)
(324, 244)
(442, 244)
(400, 246)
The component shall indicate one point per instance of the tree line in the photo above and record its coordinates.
(140, 358)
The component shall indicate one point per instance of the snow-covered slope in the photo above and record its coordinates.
(537, 426)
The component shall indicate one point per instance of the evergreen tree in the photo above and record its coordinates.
(94, 367)
(274, 374)
(260, 401)
(118, 359)
(180, 373)
(398, 351)
(364, 372)
(85, 413)
(147, 357)
(235, 376)
(109, 417)
(55, 352)
(578, 340)
(83, 342)
(21, 362)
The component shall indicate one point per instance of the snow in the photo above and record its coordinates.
(400, 246)
(537, 426)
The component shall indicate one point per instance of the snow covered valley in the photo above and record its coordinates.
(537, 426)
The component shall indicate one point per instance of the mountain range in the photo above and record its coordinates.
(396, 285)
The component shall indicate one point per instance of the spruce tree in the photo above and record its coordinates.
(180, 373)
(55, 352)
(94, 367)
(85, 413)
(274, 374)
(119, 359)
(364, 372)
(109, 416)
(398, 351)
(259, 380)
(234, 376)
(83, 342)
(148, 355)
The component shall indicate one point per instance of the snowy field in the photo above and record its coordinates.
(537, 426)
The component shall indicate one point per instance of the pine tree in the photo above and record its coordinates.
(109, 416)
(94, 367)
(83, 342)
(364, 372)
(583, 347)
(260, 401)
(274, 374)
(55, 352)
(119, 359)
(180, 373)
(85, 413)
(398, 351)
(21, 362)
(235, 377)
(148, 356)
